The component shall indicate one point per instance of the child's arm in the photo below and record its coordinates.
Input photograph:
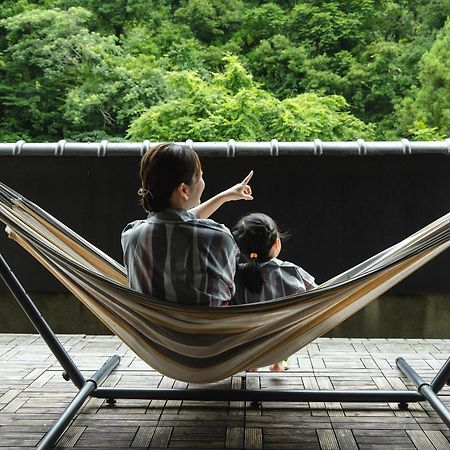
(240, 191)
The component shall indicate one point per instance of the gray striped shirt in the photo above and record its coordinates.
(174, 256)
(280, 278)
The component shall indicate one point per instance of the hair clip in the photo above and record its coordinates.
(142, 192)
(253, 255)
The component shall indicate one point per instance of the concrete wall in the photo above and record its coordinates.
(340, 210)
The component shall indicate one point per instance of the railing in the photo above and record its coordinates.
(231, 148)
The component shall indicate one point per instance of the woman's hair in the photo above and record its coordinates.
(255, 235)
(163, 168)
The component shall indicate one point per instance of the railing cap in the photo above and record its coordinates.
(231, 148)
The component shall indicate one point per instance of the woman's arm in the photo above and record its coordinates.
(240, 191)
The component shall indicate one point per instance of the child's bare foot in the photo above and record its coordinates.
(277, 367)
(253, 369)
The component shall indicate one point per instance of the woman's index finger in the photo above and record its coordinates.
(248, 177)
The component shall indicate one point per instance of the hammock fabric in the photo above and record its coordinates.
(199, 343)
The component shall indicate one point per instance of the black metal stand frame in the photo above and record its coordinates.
(89, 387)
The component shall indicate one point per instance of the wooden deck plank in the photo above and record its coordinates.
(33, 394)
(235, 437)
(327, 440)
(143, 437)
(253, 438)
(346, 440)
(438, 439)
(70, 437)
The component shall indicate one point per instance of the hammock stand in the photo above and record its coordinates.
(15, 209)
(90, 387)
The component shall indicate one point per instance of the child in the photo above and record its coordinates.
(261, 275)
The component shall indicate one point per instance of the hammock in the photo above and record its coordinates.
(200, 343)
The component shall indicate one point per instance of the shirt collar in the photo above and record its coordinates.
(172, 214)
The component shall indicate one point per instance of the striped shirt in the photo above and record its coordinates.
(174, 256)
(280, 278)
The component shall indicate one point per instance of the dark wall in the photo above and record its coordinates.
(340, 210)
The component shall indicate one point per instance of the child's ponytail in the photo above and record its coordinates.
(251, 275)
(255, 235)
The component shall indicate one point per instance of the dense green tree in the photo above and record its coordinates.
(279, 64)
(46, 51)
(288, 69)
(85, 69)
(232, 105)
(378, 80)
(329, 26)
(426, 112)
(260, 23)
(112, 95)
(116, 16)
(209, 19)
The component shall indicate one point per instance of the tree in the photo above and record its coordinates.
(47, 53)
(112, 95)
(84, 69)
(325, 26)
(209, 19)
(425, 113)
(233, 106)
(260, 23)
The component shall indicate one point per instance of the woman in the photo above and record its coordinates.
(177, 254)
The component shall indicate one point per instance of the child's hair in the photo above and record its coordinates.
(255, 235)
(163, 168)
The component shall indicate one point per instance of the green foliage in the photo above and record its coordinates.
(232, 105)
(112, 94)
(9, 8)
(84, 69)
(279, 64)
(380, 78)
(47, 50)
(260, 23)
(209, 19)
(425, 114)
(329, 26)
(115, 16)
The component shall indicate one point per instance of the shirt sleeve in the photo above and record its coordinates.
(307, 278)
(220, 257)
(231, 256)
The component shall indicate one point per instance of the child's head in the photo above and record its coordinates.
(256, 234)
(163, 169)
(258, 238)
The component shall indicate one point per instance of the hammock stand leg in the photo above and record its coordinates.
(429, 390)
(17, 290)
(52, 436)
(85, 387)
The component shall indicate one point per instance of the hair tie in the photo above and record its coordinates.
(142, 192)
(253, 255)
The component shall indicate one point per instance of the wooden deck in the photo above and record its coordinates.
(33, 394)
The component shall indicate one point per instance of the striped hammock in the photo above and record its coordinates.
(199, 343)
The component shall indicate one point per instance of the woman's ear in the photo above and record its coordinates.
(180, 196)
(183, 191)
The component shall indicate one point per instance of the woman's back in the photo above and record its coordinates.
(174, 256)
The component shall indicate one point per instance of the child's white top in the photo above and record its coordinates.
(280, 278)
